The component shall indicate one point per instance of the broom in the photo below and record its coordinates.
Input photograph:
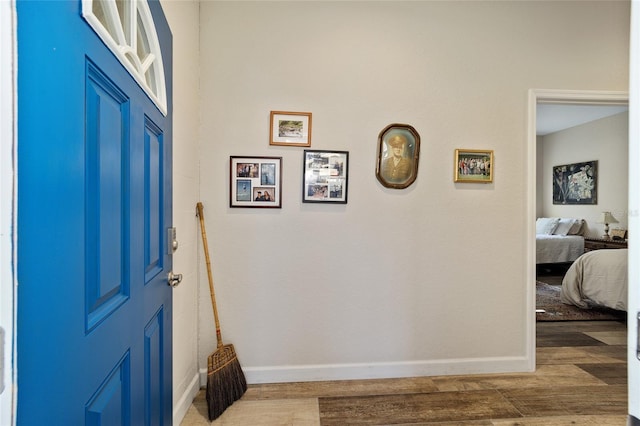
(225, 380)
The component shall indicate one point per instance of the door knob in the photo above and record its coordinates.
(174, 279)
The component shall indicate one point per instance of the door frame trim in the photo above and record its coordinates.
(8, 145)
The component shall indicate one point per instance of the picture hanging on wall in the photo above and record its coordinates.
(576, 183)
(325, 176)
(290, 128)
(256, 182)
(473, 166)
(398, 152)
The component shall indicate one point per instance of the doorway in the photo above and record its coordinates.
(555, 99)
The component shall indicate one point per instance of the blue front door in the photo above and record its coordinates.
(94, 205)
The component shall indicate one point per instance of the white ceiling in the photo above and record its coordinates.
(552, 118)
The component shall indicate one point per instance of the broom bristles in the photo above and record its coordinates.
(225, 380)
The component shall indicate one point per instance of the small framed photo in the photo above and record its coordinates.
(398, 153)
(473, 166)
(325, 176)
(618, 234)
(290, 128)
(256, 182)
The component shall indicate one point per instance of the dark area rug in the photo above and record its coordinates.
(548, 299)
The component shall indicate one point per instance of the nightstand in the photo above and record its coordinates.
(598, 244)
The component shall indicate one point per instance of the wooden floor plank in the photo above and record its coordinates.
(568, 400)
(545, 376)
(581, 355)
(611, 374)
(415, 408)
(614, 352)
(563, 339)
(341, 388)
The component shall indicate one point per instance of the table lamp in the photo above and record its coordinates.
(607, 218)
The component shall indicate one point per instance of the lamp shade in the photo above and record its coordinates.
(607, 217)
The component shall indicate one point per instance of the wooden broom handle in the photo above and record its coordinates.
(200, 214)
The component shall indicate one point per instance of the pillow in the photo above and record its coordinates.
(564, 226)
(576, 228)
(546, 225)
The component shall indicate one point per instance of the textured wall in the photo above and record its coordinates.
(426, 280)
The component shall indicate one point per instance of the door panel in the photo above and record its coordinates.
(111, 403)
(154, 223)
(154, 370)
(94, 203)
(107, 112)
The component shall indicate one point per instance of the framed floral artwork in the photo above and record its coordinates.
(576, 183)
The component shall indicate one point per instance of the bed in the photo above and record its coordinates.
(559, 240)
(597, 278)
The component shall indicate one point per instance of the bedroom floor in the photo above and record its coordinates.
(581, 378)
(552, 273)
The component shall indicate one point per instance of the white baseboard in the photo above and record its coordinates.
(311, 373)
(203, 377)
(183, 403)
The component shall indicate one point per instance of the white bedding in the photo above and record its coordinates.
(597, 277)
(558, 248)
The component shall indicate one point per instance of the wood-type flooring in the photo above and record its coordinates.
(580, 379)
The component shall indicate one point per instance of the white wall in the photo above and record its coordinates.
(183, 17)
(605, 140)
(427, 280)
(539, 177)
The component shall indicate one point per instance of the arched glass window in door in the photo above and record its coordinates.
(127, 28)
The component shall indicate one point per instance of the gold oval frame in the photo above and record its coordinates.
(403, 171)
